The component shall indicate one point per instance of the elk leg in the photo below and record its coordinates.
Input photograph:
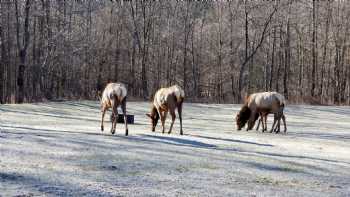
(265, 117)
(257, 127)
(115, 117)
(273, 125)
(275, 129)
(102, 119)
(278, 126)
(173, 116)
(284, 123)
(125, 118)
(163, 118)
(179, 111)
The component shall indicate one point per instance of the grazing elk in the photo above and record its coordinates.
(261, 104)
(114, 95)
(167, 99)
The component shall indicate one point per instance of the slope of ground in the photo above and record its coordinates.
(57, 149)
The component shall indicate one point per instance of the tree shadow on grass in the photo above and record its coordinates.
(275, 167)
(40, 185)
(84, 105)
(320, 135)
(312, 131)
(218, 120)
(62, 116)
(52, 133)
(180, 141)
(167, 140)
(301, 157)
(161, 140)
(342, 111)
(232, 140)
(269, 154)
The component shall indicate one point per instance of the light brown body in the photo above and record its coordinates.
(114, 95)
(167, 100)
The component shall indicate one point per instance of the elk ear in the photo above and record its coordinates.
(149, 115)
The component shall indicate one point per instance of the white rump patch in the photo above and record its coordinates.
(161, 96)
(114, 89)
(178, 91)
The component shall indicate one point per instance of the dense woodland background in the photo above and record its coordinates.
(218, 51)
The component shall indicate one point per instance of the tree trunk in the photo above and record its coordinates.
(2, 62)
(272, 57)
(314, 53)
(22, 50)
(287, 54)
(321, 90)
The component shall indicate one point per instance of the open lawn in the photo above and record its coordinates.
(57, 149)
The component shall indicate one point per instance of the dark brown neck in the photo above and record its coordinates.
(154, 112)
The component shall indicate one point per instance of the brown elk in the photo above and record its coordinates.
(114, 95)
(167, 99)
(261, 104)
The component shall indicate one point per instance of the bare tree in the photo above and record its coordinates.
(218, 51)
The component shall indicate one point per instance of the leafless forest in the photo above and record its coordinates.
(218, 51)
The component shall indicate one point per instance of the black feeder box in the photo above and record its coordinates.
(129, 118)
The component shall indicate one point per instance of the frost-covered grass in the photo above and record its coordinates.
(57, 149)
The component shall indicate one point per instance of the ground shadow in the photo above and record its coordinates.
(211, 119)
(45, 187)
(282, 155)
(50, 115)
(52, 133)
(163, 140)
(231, 140)
(180, 141)
(320, 135)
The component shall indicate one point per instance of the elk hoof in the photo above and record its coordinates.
(127, 132)
(113, 131)
(181, 132)
(102, 128)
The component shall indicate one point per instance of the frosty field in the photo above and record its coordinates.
(57, 149)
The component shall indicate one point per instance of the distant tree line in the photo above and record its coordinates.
(218, 51)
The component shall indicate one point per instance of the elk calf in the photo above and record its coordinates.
(167, 99)
(114, 95)
(276, 119)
